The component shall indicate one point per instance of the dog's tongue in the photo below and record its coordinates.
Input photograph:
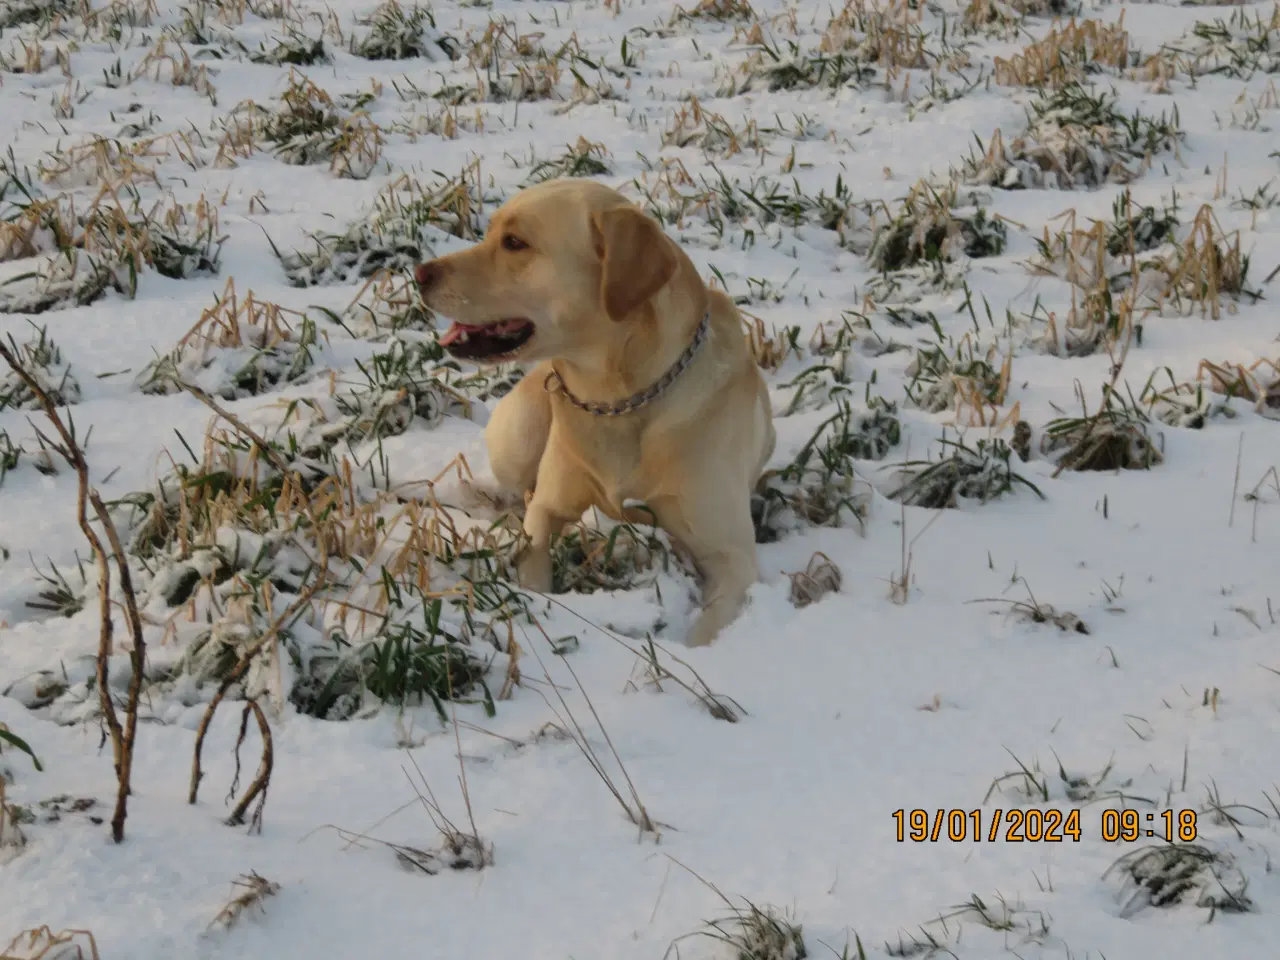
(453, 333)
(500, 328)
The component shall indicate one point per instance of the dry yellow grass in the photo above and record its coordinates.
(100, 160)
(169, 61)
(888, 35)
(715, 10)
(237, 322)
(1110, 295)
(1207, 265)
(131, 13)
(1079, 255)
(388, 300)
(1259, 382)
(1066, 53)
(41, 943)
(32, 57)
(693, 125)
(1098, 319)
(770, 351)
(117, 230)
(255, 889)
(358, 148)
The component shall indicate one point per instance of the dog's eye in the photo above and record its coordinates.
(513, 243)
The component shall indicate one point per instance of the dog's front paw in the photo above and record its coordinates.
(534, 571)
(704, 630)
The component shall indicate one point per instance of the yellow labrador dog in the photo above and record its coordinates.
(644, 387)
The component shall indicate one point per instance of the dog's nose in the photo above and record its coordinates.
(427, 274)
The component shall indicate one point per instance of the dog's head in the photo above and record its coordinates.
(562, 266)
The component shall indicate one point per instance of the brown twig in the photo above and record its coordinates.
(239, 671)
(262, 779)
(122, 737)
(137, 658)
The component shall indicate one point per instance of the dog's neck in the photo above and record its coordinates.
(638, 367)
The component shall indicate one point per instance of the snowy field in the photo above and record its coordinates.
(1011, 279)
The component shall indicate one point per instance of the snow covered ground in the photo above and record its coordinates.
(1088, 639)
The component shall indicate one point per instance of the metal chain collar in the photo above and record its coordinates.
(644, 397)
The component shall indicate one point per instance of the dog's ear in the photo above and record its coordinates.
(638, 259)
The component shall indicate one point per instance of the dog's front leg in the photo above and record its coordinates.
(517, 432)
(560, 496)
(716, 529)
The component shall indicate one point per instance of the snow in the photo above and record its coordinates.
(860, 704)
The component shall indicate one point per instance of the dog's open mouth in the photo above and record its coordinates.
(487, 341)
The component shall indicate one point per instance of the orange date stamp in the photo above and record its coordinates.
(1034, 825)
(1013, 825)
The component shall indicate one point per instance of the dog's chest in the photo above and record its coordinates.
(611, 451)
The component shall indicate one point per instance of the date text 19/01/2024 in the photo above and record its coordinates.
(1033, 825)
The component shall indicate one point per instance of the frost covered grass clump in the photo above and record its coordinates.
(1205, 270)
(777, 68)
(1114, 437)
(238, 348)
(105, 245)
(820, 486)
(1123, 271)
(1099, 254)
(1167, 875)
(294, 49)
(1137, 265)
(1257, 382)
(407, 221)
(624, 556)
(757, 210)
(399, 33)
(19, 13)
(999, 18)
(514, 67)
(963, 375)
(1218, 392)
(715, 10)
(982, 472)
(387, 303)
(1191, 405)
(862, 42)
(752, 932)
(693, 125)
(581, 159)
(41, 358)
(307, 126)
(924, 245)
(409, 381)
(1245, 44)
(1076, 138)
(935, 223)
